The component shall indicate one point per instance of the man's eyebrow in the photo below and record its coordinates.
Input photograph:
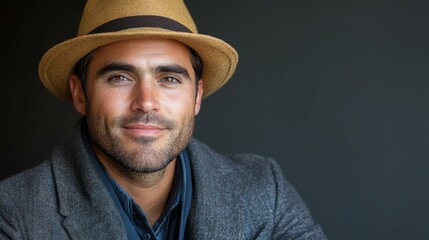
(175, 68)
(117, 67)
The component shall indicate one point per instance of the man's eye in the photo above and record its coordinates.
(170, 80)
(118, 78)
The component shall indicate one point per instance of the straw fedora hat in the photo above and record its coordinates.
(105, 22)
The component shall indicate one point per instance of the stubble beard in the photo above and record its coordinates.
(149, 154)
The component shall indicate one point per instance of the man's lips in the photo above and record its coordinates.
(143, 129)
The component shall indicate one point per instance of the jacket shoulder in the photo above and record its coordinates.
(17, 188)
(246, 165)
(21, 196)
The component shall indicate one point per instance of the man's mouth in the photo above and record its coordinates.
(141, 129)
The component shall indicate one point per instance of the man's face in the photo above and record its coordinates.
(140, 102)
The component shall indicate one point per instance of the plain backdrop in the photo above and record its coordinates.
(336, 91)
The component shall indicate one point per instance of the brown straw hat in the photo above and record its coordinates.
(109, 21)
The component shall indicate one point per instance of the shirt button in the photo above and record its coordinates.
(146, 236)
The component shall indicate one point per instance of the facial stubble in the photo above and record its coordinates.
(149, 154)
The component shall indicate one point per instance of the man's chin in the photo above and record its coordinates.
(144, 140)
(146, 161)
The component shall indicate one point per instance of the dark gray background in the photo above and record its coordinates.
(336, 91)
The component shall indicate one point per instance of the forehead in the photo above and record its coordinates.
(148, 50)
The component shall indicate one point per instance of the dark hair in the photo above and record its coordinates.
(197, 65)
(81, 67)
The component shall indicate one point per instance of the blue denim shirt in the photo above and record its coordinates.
(172, 223)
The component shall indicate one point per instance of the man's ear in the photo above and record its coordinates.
(199, 97)
(77, 94)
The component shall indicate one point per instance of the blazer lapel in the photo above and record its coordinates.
(208, 213)
(84, 201)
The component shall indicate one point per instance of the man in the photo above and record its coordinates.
(137, 72)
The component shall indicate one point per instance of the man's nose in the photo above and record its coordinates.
(146, 98)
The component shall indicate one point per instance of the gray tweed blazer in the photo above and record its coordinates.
(239, 197)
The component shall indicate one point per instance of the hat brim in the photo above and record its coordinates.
(219, 58)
